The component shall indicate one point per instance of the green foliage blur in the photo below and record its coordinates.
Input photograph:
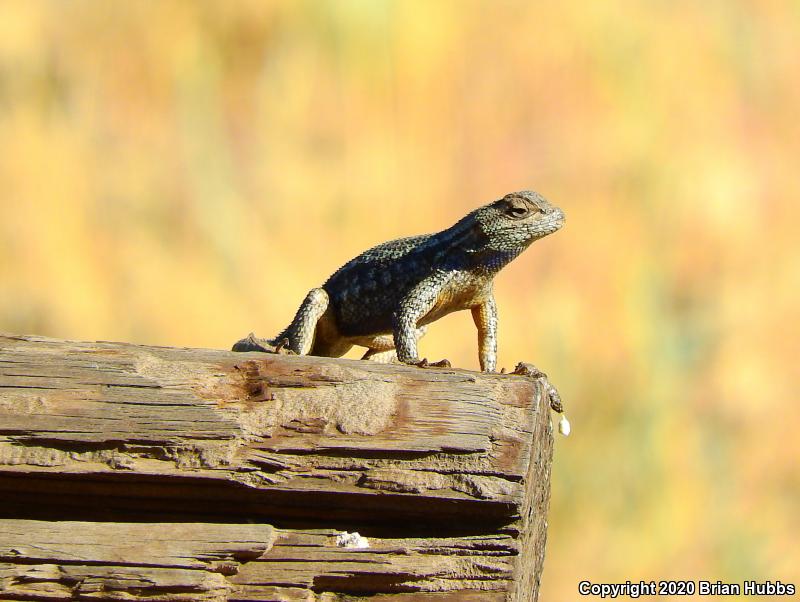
(181, 173)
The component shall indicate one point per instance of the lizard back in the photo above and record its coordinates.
(364, 292)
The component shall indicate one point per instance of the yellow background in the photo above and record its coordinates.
(180, 173)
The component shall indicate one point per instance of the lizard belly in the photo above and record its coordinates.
(461, 294)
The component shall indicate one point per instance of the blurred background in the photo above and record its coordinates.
(180, 173)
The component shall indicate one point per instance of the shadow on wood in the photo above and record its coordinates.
(190, 474)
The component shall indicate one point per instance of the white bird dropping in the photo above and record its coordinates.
(563, 426)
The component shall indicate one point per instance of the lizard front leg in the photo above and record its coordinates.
(485, 318)
(413, 308)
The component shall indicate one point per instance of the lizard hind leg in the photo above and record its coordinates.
(301, 332)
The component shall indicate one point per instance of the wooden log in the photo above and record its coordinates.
(189, 474)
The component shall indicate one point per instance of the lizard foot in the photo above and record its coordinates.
(424, 363)
(524, 369)
(252, 343)
(552, 393)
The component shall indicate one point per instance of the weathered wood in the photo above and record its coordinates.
(194, 561)
(446, 472)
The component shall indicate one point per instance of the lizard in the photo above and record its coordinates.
(384, 298)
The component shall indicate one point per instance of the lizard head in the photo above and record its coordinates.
(515, 221)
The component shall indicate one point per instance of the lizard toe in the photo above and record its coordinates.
(524, 369)
(424, 363)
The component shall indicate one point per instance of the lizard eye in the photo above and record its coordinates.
(518, 211)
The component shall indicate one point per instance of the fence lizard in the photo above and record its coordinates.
(385, 298)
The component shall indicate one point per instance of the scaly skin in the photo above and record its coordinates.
(384, 298)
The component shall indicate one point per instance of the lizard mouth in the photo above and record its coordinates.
(551, 223)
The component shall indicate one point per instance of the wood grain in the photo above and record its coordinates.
(446, 471)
